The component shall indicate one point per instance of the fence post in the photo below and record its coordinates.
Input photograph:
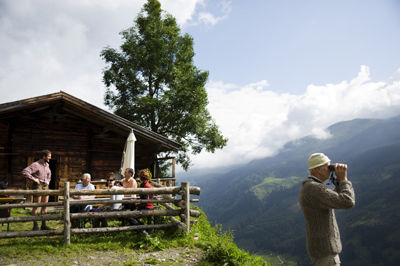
(67, 217)
(186, 198)
(173, 172)
(173, 167)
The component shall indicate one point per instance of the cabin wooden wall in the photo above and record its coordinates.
(77, 145)
(3, 151)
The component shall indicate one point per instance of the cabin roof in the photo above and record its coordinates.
(87, 111)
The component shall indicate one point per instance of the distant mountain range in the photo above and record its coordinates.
(259, 201)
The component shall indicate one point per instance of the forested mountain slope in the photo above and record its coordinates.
(259, 201)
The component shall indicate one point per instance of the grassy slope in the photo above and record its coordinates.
(218, 246)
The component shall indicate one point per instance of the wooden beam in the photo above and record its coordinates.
(44, 217)
(122, 214)
(25, 205)
(31, 233)
(122, 229)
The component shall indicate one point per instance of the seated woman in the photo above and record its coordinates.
(111, 184)
(145, 176)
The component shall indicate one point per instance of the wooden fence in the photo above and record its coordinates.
(164, 196)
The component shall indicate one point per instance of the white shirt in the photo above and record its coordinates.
(116, 206)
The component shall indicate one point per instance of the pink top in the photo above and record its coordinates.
(37, 170)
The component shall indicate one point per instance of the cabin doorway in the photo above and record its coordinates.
(54, 178)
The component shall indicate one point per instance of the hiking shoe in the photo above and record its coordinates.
(45, 227)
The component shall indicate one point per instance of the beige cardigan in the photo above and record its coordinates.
(318, 203)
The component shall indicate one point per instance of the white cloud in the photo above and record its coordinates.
(258, 121)
(182, 10)
(189, 12)
(198, 12)
(209, 19)
(48, 46)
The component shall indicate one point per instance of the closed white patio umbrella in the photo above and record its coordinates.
(128, 156)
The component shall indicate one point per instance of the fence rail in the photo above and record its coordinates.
(173, 207)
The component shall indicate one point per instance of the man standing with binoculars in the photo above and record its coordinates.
(318, 202)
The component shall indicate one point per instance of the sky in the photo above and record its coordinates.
(279, 70)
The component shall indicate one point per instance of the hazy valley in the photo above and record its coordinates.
(258, 201)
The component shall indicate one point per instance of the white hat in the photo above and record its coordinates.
(317, 159)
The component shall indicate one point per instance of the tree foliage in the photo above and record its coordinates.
(153, 82)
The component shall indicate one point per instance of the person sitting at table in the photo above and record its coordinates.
(111, 184)
(129, 182)
(144, 176)
(85, 185)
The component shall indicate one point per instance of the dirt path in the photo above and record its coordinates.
(172, 256)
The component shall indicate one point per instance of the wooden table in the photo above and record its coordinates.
(10, 200)
(100, 197)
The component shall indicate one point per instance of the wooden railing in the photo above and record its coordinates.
(165, 196)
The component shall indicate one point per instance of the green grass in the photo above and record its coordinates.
(218, 246)
(269, 184)
(279, 259)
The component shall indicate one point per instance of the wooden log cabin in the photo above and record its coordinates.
(82, 138)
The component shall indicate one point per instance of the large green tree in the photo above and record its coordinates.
(153, 82)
